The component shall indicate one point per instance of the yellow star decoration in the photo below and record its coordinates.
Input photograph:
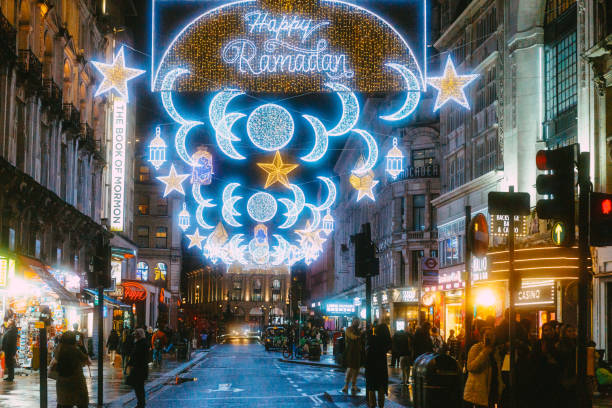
(195, 239)
(277, 170)
(451, 86)
(173, 181)
(363, 184)
(116, 75)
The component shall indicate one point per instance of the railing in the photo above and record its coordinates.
(411, 172)
(8, 35)
(52, 92)
(421, 235)
(30, 64)
(71, 115)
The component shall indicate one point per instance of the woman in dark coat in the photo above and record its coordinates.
(112, 344)
(377, 376)
(138, 367)
(70, 386)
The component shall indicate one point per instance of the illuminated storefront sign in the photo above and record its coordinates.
(500, 224)
(536, 294)
(118, 164)
(116, 271)
(7, 271)
(405, 295)
(449, 277)
(339, 308)
(479, 268)
(133, 291)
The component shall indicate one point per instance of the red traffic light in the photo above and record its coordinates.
(542, 160)
(606, 206)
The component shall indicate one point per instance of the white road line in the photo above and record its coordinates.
(299, 390)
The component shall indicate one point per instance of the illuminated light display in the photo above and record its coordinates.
(183, 218)
(291, 213)
(259, 248)
(270, 127)
(202, 167)
(413, 94)
(395, 160)
(228, 211)
(116, 75)
(133, 291)
(364, 184)
(370, 162)
(157, 150)
(214, 248)
(195, 239)
(316, 217)
(350, 109)
(173, 181)
(321, 140)
(277, 171)
(223, 123)
(261, 207)
(367, 191)
(331, 196)
(311, 243)
(328, 223)
(450, 86)
(280, 251)
(118, 164)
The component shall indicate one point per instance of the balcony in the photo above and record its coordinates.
(31, 65)
(52, 95)
(87, 137)
(71, 117)
(421, 235)
(411, 172)
(8, 37)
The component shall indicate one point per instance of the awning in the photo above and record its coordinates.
(36, 270)
(256, 311)
(109, 300)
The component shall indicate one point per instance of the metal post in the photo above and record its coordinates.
(469, 312)
(511, 316)
(100, 346)
(42, 336)
(368, 295)
(420, 291)
(584, 280)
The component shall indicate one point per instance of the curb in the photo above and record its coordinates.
(160, 382)
(310, 363)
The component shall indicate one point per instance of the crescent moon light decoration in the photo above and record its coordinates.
(291, 213)
(372, 153)
(202, 204)
(228, 211)
(413, 94)
(222, 123)
(279, 252)
(350, 109)
(321, 139)
(331, 196)
(316, 217)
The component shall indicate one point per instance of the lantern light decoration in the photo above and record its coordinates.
(157, 150)
(183, 220)
(395, 160)
(202, 167)
(328, 223)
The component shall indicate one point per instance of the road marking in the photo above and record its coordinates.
(298, 389)
(225, 388)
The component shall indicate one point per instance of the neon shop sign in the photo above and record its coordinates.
(289, 46)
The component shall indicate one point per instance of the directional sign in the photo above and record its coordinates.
(225, 388)
(558, 233)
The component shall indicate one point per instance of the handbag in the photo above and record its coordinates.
(52, 373)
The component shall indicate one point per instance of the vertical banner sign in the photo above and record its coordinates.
(118, 164)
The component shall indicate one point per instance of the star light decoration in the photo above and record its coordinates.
(195, 239)
(116, 75)
(173, 181)
(451, 86)
(363, 183)
(311, 242)
(277, 171)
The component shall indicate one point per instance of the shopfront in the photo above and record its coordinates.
(405, 306)
(338, 313)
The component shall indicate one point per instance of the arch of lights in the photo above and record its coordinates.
(271, 46)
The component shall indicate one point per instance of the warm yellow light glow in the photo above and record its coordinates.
(485, 297)
(277, 171)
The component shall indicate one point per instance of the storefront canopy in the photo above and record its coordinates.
(37, 271)
(109, 300)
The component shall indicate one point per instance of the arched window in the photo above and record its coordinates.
(161, 271)
(276, 290)
(257, 290)
(142, 271)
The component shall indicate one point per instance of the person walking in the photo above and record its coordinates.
(112, 344)
(376, 373)
(158, 341)
(70, 386)
(437, 340)
(352, 355)
(566, 351)
(422, 340)
(395, 344)
(484, 385)
(9, 347)
(405, 356)
(546, 364)
(138, 367)
(125, 348)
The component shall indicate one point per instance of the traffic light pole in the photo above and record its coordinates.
(368, 295)
(100, 346)
(468, 313)
(511, 313)
(584, 279)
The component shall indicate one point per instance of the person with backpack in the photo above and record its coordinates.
(157, 342)
(70, 386)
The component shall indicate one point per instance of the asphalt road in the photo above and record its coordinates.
(240, 374)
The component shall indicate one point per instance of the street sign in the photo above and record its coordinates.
(508, 203)
(478, 236)
(429, 264)
(500, 225)
(558, 233)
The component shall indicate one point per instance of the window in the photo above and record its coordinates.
(161, 270)
(144, 173)
(161, 237)
(418, 212)
(143, 237)
(276, 290)
(142, 271)
(143, 205)
(11, 239)
(561, 76)
(276, 284)
(256, 290)
(236, 293)
(162, 206)
(486, 26)
(451, 250)
(423, 157)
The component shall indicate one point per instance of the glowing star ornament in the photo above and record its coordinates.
(173, 181)
(395, 160)
(116, 75)
(195, 239)
(363, 183)
(277, 171)
(183, 218)
(451, 86)
(157, 150)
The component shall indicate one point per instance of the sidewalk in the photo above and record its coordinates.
(25, 391)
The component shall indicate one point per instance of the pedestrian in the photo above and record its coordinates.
(112, 343)
(454, 346)
(566, 351)
(138, 367)
(157, 343)
(405, 356)
(352, 355)
(395, 344)
(70, 386)
(436, 340)
(422, 340)
(484, 385)
(377, 376)
(127, 344)
(9, 347)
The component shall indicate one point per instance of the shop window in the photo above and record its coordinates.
(256, 290)
(143, 205)
(161, 271)
(162, 206)
(142, 271)
(418, 212)
(451, 250)
(161, 237)
(144, 173)
(143, 236)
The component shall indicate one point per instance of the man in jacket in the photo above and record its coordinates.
(422, 340)
(484, 385)
(138, 367)
(9, 346)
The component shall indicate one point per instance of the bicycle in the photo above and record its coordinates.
(292, 353)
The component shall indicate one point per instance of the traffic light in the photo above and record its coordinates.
(100, 275)
(366, 262)
(601, 219)
(559, 186)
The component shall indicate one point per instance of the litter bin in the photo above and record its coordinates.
(181, 352)
(314, 351)
(437, 381)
